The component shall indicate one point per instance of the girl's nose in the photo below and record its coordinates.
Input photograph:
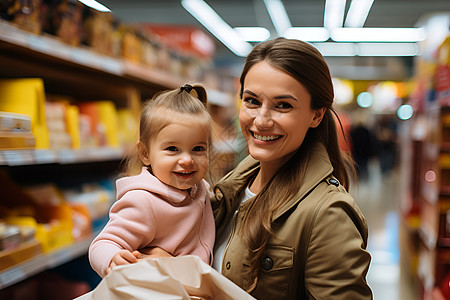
(186, 159)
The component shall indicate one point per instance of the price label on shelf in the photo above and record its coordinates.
(9, 277)
(18, 157)
(42, 156)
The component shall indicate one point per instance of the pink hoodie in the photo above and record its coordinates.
(150, 213)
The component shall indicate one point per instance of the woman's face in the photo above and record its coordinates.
(275, 114)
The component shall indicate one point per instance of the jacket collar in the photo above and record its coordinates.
(319, 168)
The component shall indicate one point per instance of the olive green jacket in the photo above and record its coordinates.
(319, 247)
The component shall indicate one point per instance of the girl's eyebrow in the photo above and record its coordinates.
(276, 97)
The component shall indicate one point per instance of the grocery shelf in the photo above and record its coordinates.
(124, 70)
(43, 262)
(66, 156)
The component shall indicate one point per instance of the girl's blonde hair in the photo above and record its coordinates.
(163, 109)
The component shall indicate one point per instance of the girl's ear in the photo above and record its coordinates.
(318, 116)
(143, 152)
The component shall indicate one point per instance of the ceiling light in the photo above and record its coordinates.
(217, 26)
(336, 49)
(373, 34)
(95, 5)
(357, 13)
(308, 34)
(253, 34)
(334, 14)
(279, 16)
(388, 49)
(368, 49)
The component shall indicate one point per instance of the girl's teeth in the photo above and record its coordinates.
(265, 138)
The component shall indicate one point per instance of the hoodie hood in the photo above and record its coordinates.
(148, 182)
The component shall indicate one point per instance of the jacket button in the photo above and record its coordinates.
(267, 263)
(333, 181)
(228, 265)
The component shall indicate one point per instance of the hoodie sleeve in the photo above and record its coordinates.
(131, 226)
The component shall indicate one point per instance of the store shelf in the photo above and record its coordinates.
(66, 156)
(43, 262)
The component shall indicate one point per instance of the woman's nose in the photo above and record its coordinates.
(264, 118)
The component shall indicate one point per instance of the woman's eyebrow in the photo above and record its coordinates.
(276, 97)
(251, 93)
(285, 97)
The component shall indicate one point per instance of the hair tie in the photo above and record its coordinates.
(187, 88)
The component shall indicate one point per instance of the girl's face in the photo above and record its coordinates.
(275, 114)
(178, 154)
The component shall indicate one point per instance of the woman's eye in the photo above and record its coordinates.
(284, 105)
(172, 148)
(199, 148)
(251, 101)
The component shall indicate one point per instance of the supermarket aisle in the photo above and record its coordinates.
(378, 199)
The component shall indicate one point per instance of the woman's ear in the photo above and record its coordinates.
(318, 116)
(143, 152)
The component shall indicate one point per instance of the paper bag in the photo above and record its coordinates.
(183, 277)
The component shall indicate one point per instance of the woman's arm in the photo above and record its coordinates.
(337, 260)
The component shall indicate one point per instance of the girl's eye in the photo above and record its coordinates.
(284, 105)
(172, 148)
(199, 148)
(251, 101)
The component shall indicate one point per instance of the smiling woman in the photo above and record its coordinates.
(284, 210)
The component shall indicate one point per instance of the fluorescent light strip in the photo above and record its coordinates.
(308, 34)
(336, 49)
(368, 49)
(95, 5)
(388, 49)
(217, 26)
(334, 14)
(378, 34)
(357, 13)
(278, 15)
(253, 34)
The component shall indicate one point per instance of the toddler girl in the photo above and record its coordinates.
(164, 200)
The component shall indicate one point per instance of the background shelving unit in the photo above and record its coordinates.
(85, 75)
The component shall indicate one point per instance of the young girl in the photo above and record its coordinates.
(164, 201)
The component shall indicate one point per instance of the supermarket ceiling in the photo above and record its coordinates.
(298, 13)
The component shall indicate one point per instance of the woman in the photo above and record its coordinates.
(286, 226)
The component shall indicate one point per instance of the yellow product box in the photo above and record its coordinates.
(26, 96)
(73, 125)
(108, 119)
(53, 235)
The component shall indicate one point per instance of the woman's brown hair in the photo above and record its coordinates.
(304, 63)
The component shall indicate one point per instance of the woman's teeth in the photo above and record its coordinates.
(265, 138)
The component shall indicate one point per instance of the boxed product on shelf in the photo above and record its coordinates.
(100, 32)
(128, 124)
(58, 136)
(102, 118)
(14, 140)
(27, 96)
(14, 121)
(23, 252)
(64, 19)
(25, 14)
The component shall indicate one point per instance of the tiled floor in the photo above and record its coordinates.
(378, 199)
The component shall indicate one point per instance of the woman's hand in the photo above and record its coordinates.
(123, 257)
(153, 253)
